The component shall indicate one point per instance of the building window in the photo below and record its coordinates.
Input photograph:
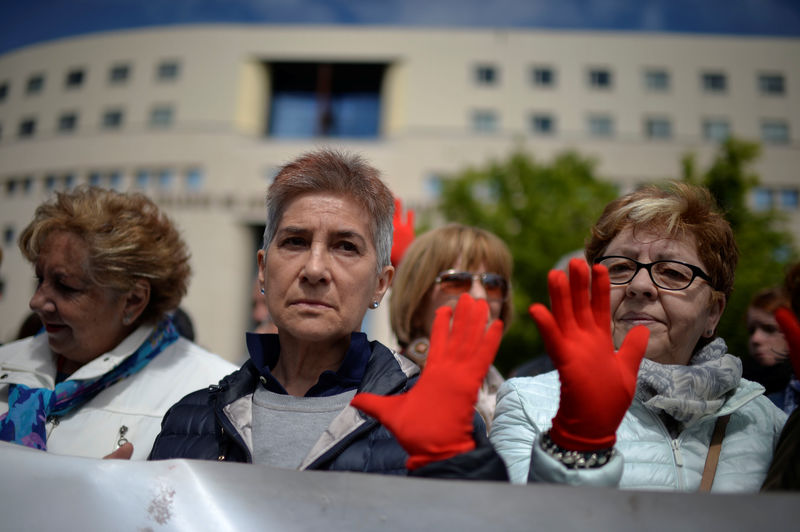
(658, 128)
(484, 121)
(118, 74)
(142, 179)
(3, 91)
(486, 75)
(543, 124)
(168, 70)
(35, 84)
(69, 181)
(789, 199)
(161, 116)
(772, 84)
(95, 179)
(656, 80)
(715, 82)
(8, 235)
(27, 185)
(775, 131)
(716, 129)
(194, 179)
(67, 122)
(50, 183)
(11, 187)
(166, 179)
(543, 76)
(27, 128)
(601, 126)
(74, 78)
(325, 100)
(600, 78)
(115, 179)
(762, 198)
(112, 119)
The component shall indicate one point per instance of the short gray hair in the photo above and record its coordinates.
(336, 173)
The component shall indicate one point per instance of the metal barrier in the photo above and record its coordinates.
(39, 491)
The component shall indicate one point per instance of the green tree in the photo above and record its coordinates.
(542, 211)
(765, 249)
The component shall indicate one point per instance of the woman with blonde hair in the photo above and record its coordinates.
(110, 267)
(436, 269)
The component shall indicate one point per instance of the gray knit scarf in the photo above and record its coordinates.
(687, 393)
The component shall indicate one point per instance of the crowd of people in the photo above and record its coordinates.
(644, 394)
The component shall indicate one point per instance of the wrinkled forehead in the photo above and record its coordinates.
(654, 241)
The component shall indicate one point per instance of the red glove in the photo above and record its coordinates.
(597, 384)
(433, 421)
(791, 330)
(403, 233)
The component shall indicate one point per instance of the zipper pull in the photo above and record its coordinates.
(122, 439)
(677, 452)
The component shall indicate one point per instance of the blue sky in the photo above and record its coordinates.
(29, 21)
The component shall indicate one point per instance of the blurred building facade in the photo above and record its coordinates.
(200, 118)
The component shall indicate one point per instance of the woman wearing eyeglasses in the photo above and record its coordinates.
(436, 269)
(681, 418)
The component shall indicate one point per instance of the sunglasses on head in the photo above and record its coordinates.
(455, 282)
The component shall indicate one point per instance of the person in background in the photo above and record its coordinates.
(768, 363)
(109, 362)
(663, 261)
(784, 472)
(436, 269)
(325, 262)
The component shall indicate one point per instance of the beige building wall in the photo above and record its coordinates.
(429, 95)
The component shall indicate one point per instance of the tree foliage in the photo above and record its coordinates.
(765, 249)
(542, 211)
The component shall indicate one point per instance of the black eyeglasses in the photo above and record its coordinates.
(666, 274)
(454, 282)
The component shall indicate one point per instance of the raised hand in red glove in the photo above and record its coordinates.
(597, 384)
(403, 233)
(791, 330)
(433, 421)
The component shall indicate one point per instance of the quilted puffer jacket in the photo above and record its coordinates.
(214, 424)
(651, 458)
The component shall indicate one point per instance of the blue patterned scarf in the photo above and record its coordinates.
(29, 408)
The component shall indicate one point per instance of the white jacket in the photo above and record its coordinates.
(652, 458)
(138, 402)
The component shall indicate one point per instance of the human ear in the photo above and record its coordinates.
(136, 301)
(716, 307)
(384, 282)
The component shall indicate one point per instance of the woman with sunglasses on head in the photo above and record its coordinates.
(645, 391)
(436, 269)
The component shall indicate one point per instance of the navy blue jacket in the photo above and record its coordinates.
(196, 427)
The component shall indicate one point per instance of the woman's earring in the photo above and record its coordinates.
(374, 305)
(126, 320)
(262, 290)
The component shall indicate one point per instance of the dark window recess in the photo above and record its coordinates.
(325, 100)
(74, 79)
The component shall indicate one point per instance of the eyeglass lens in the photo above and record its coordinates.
(459, 282)
(666, 274)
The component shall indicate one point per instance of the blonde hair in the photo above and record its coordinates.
(128, 237)
(437, 251)
(679, 209)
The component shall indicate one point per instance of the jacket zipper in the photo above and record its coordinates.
(675, 447)
(224, 422)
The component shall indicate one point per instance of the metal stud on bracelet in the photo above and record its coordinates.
(576, 459)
